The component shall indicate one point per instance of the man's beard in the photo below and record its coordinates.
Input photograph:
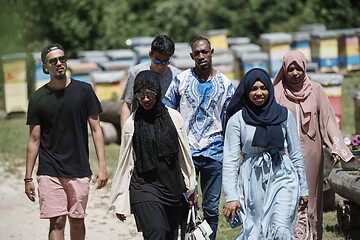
(60, 77)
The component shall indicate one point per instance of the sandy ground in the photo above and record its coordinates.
(20, 217)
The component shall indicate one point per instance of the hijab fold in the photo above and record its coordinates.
(155, 135)
(300, 92)
(266, 118)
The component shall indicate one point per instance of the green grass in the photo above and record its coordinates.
(331, 229)
(14, 135)
(351, 83)
(111, 155)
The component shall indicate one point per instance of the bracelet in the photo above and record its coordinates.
(28, 179)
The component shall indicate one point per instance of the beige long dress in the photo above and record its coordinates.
(326, 131)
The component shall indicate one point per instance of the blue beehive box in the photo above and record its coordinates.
(40, 77)
(276, 45)
(348, 44)
(324, 51)
(142, 53)
(249, 60)
(301, 41)
(127, 55)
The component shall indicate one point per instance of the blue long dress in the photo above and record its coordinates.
(268, 191)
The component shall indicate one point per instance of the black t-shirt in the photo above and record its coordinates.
(62, 116)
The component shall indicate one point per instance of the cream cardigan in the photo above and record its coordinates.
(119, 194)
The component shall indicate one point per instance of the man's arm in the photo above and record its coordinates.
(127, 98)
(98, 138)
(172, 96)
(124, 113)
(31, 155)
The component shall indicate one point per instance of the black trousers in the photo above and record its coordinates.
(158, 221)
(160, 234)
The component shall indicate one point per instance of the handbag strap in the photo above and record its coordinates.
(188, 217)
(191, 214)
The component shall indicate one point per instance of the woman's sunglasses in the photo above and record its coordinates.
(53, 61)
(150, 95)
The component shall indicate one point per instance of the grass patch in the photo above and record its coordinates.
(14, 135)
(331, 229)
(350, 84)
(224, 231)
(111, 156)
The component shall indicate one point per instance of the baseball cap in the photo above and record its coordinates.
(49, 48)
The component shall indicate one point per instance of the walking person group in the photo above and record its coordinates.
(261, 144)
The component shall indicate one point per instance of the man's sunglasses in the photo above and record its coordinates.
(165, 63)
(150, 95)
(53, 61)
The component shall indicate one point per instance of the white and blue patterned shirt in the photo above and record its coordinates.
(202, 105)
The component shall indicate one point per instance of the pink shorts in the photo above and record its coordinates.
(63, 196)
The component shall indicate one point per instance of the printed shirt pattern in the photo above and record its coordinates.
(202, 104)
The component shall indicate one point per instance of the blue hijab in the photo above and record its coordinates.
(266, 118)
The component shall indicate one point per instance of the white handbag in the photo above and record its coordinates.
(196, 230)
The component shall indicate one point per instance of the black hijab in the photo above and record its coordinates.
(155, 134)
(266, 118)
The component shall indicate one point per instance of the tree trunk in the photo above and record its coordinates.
(111, 114)
(346, 184)
(110, 133)
(111, 111)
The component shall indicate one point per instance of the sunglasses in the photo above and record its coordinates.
(53, 61)
(150, 95)
(165, 63)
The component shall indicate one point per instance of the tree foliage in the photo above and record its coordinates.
(106, 24)
(15, 30)
(338, 13)
(180, 19)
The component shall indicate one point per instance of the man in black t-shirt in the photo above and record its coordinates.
(58, 116)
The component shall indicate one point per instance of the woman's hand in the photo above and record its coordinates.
(230, 208)
(121, 217)
(304, 200)
(336, 159)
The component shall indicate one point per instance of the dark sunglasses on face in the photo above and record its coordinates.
(53, 61)
(165, 63)
(150, 95)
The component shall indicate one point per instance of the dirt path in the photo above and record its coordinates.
(20, 217)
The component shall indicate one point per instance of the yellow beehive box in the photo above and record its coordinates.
(108, 85)
(218, 39)
(15, 84)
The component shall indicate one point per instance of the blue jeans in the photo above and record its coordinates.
(210, 182)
